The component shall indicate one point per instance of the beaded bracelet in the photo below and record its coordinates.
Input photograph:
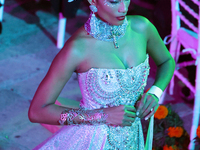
(91, 117)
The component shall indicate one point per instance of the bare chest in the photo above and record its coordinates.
(101, 54)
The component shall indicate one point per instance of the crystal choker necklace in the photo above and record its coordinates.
(105, 32)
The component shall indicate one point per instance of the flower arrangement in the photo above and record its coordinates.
(169, 133)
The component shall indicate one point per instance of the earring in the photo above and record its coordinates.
(93, 19)
(93, 8)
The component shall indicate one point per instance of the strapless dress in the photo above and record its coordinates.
(102, 88)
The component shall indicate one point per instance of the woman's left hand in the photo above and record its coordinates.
(147, 106)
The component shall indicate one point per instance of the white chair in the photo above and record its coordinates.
(1, 11)
(190, 39)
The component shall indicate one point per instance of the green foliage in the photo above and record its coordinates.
(161, 137)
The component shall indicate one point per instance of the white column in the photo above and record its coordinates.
(61, 31)
(1, 10)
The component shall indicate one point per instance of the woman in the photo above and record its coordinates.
(110, 55)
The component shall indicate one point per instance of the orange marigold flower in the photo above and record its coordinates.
(174, 147)
(175, 131)
(198, 131)
(171, 131)
(179, 131)
(161, 112)
(166, 147)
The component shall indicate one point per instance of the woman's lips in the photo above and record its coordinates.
(120, 18)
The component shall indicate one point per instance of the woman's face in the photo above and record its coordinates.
(112, 11)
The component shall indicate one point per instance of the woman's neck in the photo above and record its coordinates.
(104, 31)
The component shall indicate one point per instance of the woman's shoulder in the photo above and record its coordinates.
(137, 22)
(79, 36)
(138, 19)
(77, 41)
(75, 48)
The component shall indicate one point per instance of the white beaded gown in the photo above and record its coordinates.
(103, 88)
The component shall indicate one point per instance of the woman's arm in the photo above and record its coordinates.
(161, 56)
(43, 108)
(165, 69)
(68, 102)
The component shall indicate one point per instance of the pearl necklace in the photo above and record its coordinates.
(104, 31)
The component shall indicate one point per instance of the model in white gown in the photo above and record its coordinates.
(102, 88)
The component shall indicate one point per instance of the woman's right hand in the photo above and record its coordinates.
(122, 115)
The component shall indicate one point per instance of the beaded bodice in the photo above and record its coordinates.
(102, 88)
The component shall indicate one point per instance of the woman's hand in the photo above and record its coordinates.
(147, 106)
(122, 115)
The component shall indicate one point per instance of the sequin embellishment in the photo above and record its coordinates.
(114, 87)
(102, 88)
